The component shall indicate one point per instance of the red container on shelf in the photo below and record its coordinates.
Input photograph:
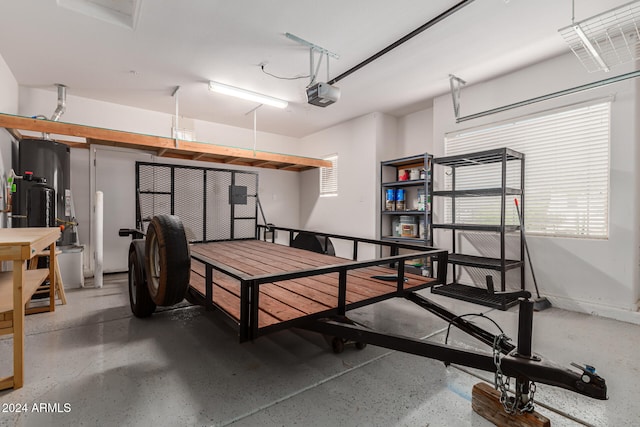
(403, 175)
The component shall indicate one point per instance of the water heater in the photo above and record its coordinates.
(52, 161)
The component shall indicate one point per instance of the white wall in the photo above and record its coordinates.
(81, 191)
(636, 261)
(388, 146)
(354, 142)
(598, 276)
(361, 144)
(9, 105)
(8, 89)
(415, 133)
(279, 190)
(90, 112)
(353, 211)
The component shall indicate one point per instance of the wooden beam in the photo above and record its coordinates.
(69, 129)
(198, 156)
(485, 401)
(103, 136)
(289, 168)
(250, 154)
(73, 144)
(235, 160)
(162, 151)
(186, 156)
(266, 166)
(261, 163)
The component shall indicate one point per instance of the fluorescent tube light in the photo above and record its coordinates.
(247, 94)
(592, 50)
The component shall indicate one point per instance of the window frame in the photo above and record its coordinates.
(329, 185)
(585, 213)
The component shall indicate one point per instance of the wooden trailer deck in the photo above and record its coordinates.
(287, 300)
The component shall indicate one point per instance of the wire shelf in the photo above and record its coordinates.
(606, 40)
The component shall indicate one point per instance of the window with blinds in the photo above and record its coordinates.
(566, 172)
(329, 178)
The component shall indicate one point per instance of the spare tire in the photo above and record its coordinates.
(167, 260)
(314, 243)
(139, 299)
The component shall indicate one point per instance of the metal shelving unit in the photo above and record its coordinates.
(502, 264)
(389, 173)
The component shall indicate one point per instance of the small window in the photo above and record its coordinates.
(329, 178)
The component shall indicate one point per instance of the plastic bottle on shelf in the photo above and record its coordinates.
(421, 199)
(390, 204)
(395, 227)
(400, 199)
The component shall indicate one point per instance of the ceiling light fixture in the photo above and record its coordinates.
(247, 94)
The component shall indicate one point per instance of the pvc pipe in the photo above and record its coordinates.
(98, 233)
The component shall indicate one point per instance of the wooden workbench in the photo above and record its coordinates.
(16, 287)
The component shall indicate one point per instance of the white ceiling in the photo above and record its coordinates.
(187, 43)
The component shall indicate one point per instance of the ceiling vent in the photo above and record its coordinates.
(118, 12)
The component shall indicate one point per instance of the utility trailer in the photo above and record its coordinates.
(259, 286)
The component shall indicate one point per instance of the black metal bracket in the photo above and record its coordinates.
(459, 322)
(338, 343)
(135, 234)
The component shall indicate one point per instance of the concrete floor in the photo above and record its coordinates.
(184, 367)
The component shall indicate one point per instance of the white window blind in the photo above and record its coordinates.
(329, 178)
(566, 172)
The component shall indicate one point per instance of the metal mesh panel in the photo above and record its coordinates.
(244, 228)
(189, 201)
(201, 198)
(154, 184)
(154, 178)
(218, 208)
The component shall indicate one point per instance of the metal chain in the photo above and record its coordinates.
(529, 406)
(501, 383)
